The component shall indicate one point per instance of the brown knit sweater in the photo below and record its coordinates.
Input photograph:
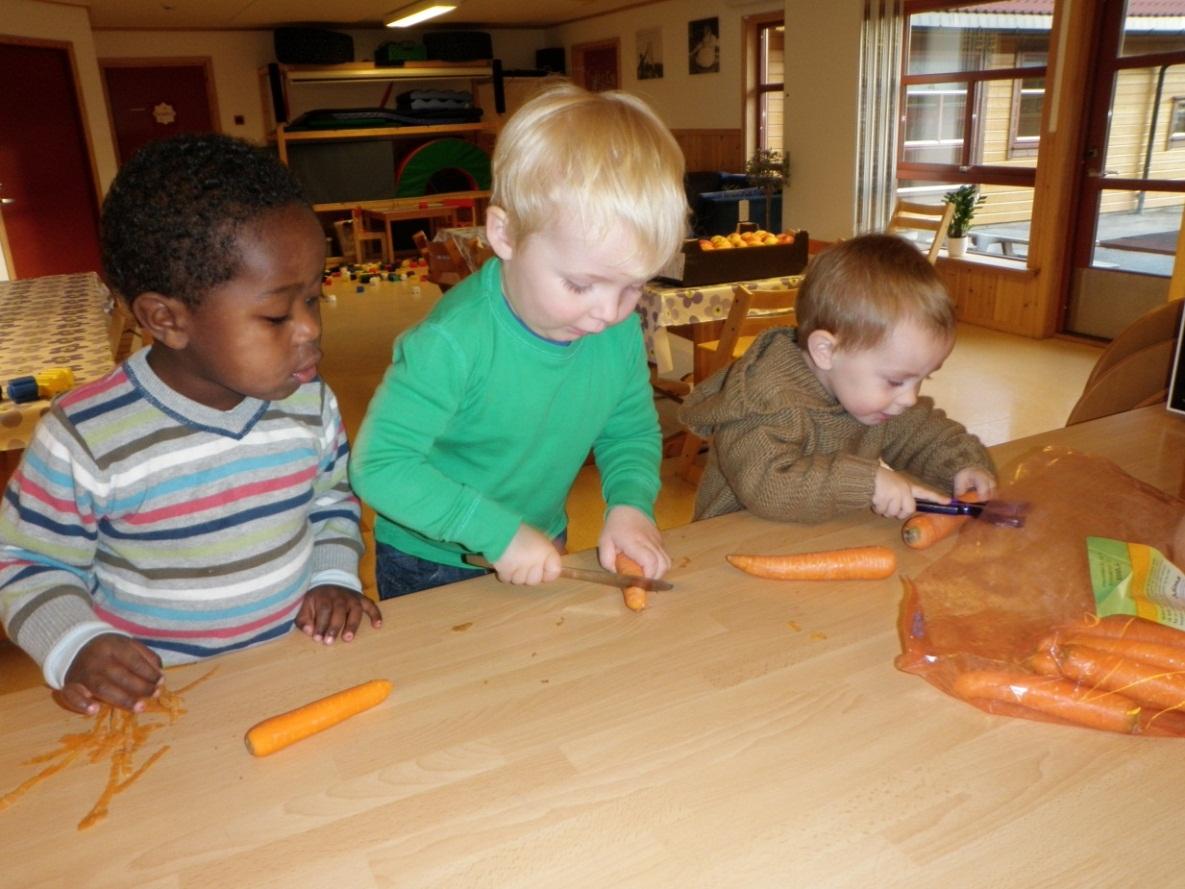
(785, 449)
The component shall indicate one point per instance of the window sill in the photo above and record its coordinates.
(996, 263)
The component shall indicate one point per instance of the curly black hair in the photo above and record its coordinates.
(172, 218)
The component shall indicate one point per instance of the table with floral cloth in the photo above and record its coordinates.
(663, 305)
(55, 321)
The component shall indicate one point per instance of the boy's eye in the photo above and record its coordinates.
(576, 288)
(276, 320)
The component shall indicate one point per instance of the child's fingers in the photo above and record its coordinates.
(304, 617)
(371, 610)
(75, 696)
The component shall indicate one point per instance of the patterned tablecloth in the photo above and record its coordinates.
(56, 321)
(663, 306)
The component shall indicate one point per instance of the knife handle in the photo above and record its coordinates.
(954, 507)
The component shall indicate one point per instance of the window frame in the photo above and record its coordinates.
(754, 89)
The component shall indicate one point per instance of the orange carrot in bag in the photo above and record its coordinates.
(1166, 657)
(278, 732)
(855, 563)
(1144, 683)
(635, 596)
(1123, 626)
(1058, 698)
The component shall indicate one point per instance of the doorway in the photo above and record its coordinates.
(48, 198)
(1132, 179)
(149, 101)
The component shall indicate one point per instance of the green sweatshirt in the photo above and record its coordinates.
(480, 425)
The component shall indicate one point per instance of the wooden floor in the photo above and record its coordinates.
(1000, 386)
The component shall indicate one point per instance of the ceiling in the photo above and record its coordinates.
(267, 14)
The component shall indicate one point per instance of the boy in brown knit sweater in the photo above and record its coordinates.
(812, 423)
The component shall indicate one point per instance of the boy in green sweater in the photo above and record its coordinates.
(492, 403)
(811, 423)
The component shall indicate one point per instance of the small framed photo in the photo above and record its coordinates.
(703, 46)
(649, 47)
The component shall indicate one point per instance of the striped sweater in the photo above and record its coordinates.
(197, 531)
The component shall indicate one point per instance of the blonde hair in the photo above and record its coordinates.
(605, 158)
(860, 289)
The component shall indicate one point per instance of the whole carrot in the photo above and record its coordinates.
(1166, 657)
(277, 732)
(856, 563)
(1122, 626)
(1058, 698)
(1144, 683)
(635, 596)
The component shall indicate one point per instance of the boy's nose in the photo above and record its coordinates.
(308, 324)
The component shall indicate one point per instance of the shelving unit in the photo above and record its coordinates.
(280, 85)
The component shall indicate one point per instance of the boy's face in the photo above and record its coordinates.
(880, 382)
(563, 283)
(257, 334)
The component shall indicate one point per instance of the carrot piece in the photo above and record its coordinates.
(277, 732)
(1145, 684)
(1058, 698)
(923, 529)
(855, 563)
(635, 596)
(1123, 626)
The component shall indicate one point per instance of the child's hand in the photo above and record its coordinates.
(630, 531)
(982, 482)
(894, 494)
(331, 611)
(530, 558)
(114, 669)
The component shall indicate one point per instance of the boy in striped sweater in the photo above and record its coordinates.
(195, 500)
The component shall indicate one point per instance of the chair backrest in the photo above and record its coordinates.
(446, 265)
(1138, 379)
(1156, 326)
(751, 312)
(913, 216)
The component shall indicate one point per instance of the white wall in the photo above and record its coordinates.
(823, 60)
(685, 101)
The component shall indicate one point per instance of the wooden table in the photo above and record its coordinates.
(54, 321)
(739, 733)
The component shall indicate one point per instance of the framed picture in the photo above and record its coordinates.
(703, 46)
(597, 66)
(649, 48)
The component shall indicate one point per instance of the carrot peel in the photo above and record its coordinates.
(277, 732)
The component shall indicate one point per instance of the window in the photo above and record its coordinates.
(764, 86)
(1177, 123)
(973, 93)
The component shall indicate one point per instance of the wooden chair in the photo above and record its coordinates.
(1133, 370)
(446, 265)
(935, 218)
(752, 311)
(124, 335)
(361, 235)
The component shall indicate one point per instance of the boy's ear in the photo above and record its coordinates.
(498, 232)
(821, 346)
(166, 318)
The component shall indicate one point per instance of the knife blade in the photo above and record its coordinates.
(594, 575)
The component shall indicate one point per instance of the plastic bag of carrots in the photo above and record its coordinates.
(1006, 620)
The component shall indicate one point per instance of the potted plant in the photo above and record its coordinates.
(768, 170)
(966, 199)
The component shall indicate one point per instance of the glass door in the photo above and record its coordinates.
(1132, 186)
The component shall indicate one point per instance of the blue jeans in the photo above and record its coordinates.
(398, 573)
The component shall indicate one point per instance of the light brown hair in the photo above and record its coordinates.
(862, 288)
(605, 159)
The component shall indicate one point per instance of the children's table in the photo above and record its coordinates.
(739, 732)
(54, 321)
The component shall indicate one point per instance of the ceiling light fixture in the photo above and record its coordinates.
(416, 13)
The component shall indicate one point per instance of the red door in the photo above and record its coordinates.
(150, 102)
(47, 186)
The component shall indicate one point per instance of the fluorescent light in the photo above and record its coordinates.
(416, 13)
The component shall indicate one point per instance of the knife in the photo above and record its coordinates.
(593, 575)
